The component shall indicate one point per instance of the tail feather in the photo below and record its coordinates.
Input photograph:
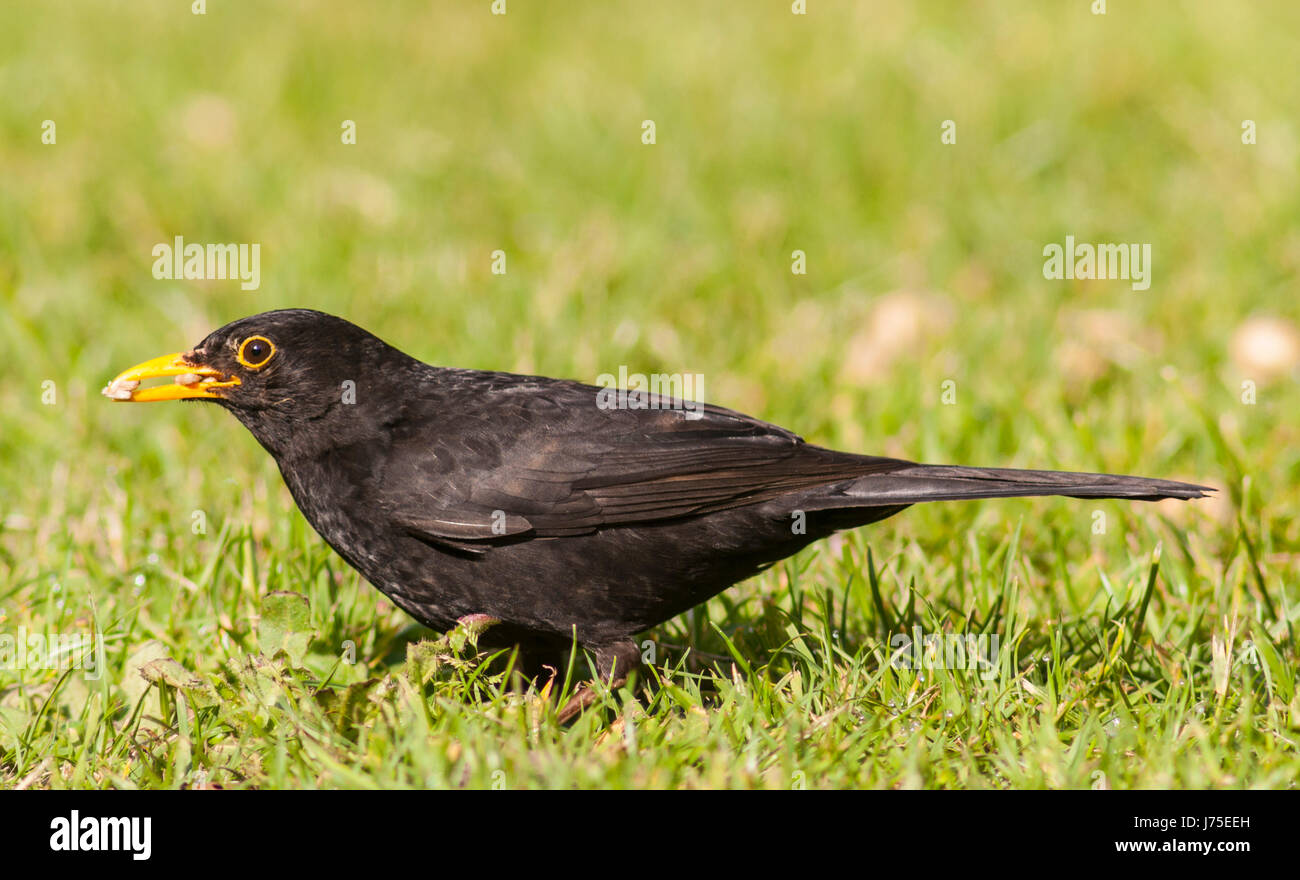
(922, 482)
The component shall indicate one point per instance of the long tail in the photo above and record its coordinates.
(925, 482)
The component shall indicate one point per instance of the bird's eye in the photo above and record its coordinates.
(255, 351)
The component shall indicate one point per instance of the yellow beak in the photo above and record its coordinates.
(192, 380)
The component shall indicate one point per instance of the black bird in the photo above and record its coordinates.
(462, 494)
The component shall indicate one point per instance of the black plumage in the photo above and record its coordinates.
(458, 492)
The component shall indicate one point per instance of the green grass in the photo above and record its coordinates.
(774, 133)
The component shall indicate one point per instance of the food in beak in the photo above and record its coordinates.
(120, 389)
(191, 379)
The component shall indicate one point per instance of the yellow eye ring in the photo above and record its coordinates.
(255, 358)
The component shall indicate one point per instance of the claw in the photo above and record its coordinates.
(582, 698)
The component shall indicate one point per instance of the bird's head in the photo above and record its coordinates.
(276, 372)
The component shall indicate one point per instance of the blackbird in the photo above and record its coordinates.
(534, 503)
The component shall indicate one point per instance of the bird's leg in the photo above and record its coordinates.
(614, 661)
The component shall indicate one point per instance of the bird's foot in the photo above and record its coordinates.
(582, 699)
(613, 664)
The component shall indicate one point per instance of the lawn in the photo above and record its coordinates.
(804, 234)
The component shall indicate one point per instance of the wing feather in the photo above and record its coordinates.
(553, 463)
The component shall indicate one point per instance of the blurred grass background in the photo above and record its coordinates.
(774, 133)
